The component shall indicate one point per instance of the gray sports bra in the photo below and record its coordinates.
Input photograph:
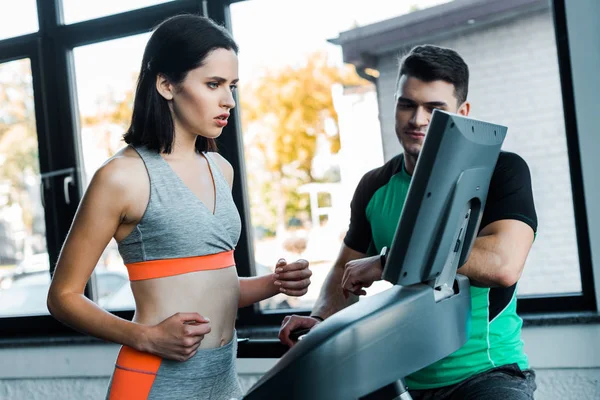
(178, 233)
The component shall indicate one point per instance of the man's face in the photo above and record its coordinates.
(415, 102)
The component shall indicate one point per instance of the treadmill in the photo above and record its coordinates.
(367, 349)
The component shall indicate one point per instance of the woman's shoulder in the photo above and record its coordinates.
(124, 170)
(224, 166)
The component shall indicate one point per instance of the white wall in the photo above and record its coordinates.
(566, 360)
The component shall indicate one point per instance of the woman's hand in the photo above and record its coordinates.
(292, 279)
(177, 337)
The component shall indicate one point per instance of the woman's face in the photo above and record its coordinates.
(200, 105)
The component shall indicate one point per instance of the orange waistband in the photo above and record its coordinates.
(177, 266)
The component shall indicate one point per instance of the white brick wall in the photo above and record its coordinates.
(515, 81)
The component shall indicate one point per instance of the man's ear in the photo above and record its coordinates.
(164, 87)
(464, 109)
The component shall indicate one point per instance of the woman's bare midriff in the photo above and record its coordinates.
(213, 294)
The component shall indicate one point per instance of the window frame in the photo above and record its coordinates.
(50, 53)
(527, 304)
(586, 300)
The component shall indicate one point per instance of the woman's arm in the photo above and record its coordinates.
(102, 209)
(96, 221)
(255, 289)
(290, 279)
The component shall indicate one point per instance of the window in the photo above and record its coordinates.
(106, 76)
(77, 11)
(302, 138)
(17, 18)
(515, 81)
(295, 158)
(306, 116)
(32, 226)
(24, 263)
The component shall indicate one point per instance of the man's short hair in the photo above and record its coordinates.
(432, 63)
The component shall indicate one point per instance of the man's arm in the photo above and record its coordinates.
(331, 298)
(499, 253)
(496, 259)
(355, 245)
(501, 247)
(509, 223)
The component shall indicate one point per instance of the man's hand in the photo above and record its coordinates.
(361, 274)
(292, 323)
(293, 279)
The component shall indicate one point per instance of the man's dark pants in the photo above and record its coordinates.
(507, 382)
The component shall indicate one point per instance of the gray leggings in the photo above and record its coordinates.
(211, 374)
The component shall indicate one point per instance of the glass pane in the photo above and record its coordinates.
(307, 119)
(301, 137)
(17, 18)
(24, 263)
(77, 10)
(515, 81)
(105, 92)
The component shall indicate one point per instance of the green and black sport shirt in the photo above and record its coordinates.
(495, 326)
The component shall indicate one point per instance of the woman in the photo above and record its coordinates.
(166, 199)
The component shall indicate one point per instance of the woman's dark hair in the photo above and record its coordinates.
(431, 63)
(178, 45)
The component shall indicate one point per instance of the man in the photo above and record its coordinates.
(492, 364)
